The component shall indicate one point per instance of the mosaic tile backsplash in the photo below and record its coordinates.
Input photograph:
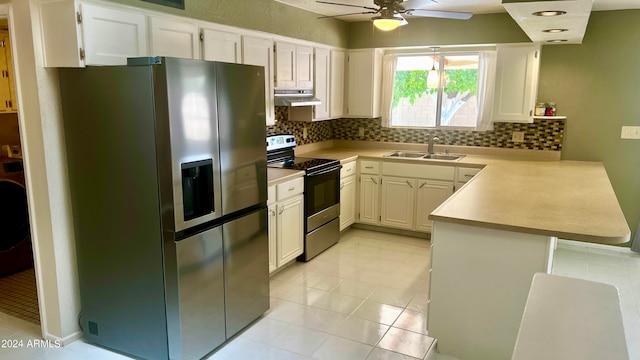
(540, 135)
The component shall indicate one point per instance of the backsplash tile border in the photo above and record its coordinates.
(542, 134)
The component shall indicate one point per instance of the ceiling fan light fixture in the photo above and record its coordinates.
(556, 41)
(549, 13)
(554, 31)
(386, 23)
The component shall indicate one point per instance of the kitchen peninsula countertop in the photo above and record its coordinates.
(566, 199)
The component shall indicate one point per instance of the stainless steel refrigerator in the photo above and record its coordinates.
(167, 170)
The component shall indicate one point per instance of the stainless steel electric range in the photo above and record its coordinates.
(321, 193)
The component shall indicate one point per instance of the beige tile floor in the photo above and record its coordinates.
(364, 298)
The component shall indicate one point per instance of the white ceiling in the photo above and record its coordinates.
(473, 6)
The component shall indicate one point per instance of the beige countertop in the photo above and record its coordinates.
(566, 199)
(275, 175)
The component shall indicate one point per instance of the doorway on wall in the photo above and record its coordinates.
(18, 294)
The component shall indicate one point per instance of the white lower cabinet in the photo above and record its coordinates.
(348, 190)
(286, 222)
(398, 202)
(370, 184)
(429, 195)
(402, 195)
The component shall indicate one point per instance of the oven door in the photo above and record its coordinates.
(322, 196)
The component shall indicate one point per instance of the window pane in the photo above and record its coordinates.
(413, 103)
(459, 100)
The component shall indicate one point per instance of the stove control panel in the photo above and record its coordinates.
(276, 142)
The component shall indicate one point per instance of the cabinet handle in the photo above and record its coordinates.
(341, 186)
(292, 188)
(409, 183)
(468, 175)
(349, 170)
(272, 212)
(281, 209)
(368, 167)
(422, 185)
(374, 181)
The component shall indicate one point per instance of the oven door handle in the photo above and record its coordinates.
(326, 171)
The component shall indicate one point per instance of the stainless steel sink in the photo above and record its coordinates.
(406, 154)
(447, 157)
(424, 156)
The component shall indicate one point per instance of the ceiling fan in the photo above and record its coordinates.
(391, 11)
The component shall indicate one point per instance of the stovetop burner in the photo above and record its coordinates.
(280, 154)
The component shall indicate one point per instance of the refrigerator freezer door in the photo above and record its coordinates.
(201, 288)
(185, 104)
(241, 117)
(246, 270)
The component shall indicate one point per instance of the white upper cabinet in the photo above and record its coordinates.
(259, 51)
(174, 38)
(294, 66)
(321, 83)
(77, 34)
(336, 92)
(221, 46)
(516, 86)
(365, 77)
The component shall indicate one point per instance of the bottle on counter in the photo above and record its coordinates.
(540, 109)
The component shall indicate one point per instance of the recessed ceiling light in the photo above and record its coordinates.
(553, 31)
(549, 13)
(557, 41)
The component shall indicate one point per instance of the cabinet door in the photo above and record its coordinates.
(516, 86)
(397, 205)
(220, 46)
(365, 75)
(111, 36)
(273, 236)
(174, 38)
(336, 93)
(258, 51)
(347, 201)
(304, 67)
(285, 65)
(430, 194)
(290, 229)
(369, 199)
(321, 83)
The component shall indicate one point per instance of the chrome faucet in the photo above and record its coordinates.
(430, 141)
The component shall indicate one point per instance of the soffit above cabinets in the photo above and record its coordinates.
(571, 25)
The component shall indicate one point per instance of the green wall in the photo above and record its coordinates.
(597, 86)
(262, 15)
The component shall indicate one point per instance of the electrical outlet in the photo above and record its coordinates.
(517, 136)
(304, 132)
(630, 132)
(361, 132)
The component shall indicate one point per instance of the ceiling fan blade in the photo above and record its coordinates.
(415, 4)
(358, 6)
(357, 13)
(441, 14)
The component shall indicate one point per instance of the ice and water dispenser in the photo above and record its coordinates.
(197, 188)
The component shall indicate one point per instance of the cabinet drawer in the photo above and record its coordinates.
(348, 169)
(423, 171)
(290, 188)
(465, 174)
(369, 167)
